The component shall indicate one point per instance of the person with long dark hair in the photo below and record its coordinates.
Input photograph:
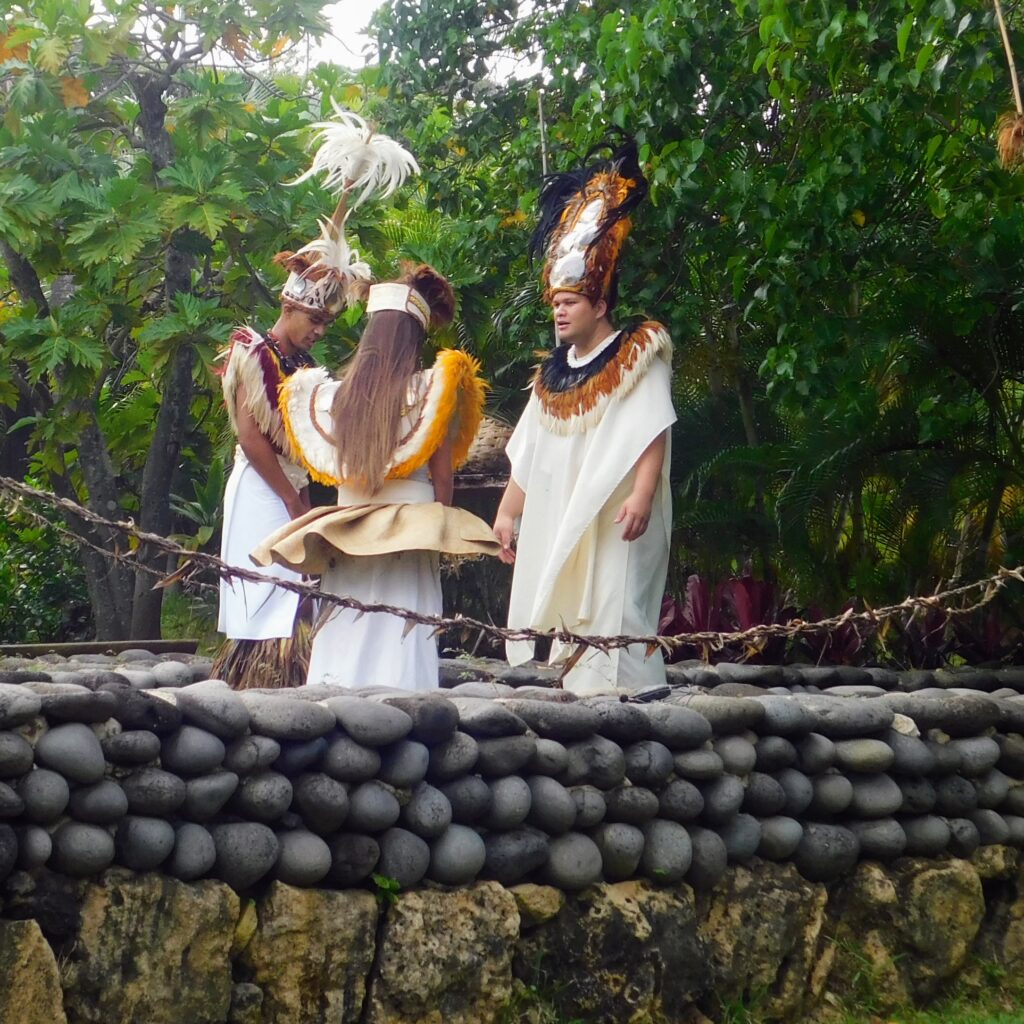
(389, 435)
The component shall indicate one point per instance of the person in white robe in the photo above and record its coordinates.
(589, 457)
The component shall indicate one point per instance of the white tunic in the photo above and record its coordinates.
(573, 569)
(254, 611)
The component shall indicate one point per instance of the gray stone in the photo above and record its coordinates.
(882, 839)
(927, 835)
(131, 748)
(699, 765)
(353, 858)
(11, 805)
(370, 723)
(510, 803)
(648, 763)
(153, 792)
(1015, 826)
(470, 798)
(349, 761)
(573, 863)
(34, 847)
(172, 673)
(191, 751)
(1014, 802)
(862, 690)
(263, 797)
(15, 755)
(991, 827)
(709, 859)
(826, 852)
(138, 678)
(978, 754)
(249, 754)
(372, 807)
(918, 795)
(911, 755)
(453, 758)
(287, 718)
(623, 723)
(549, 758)
(722, 799)
(725, 714)
(511, 856)
(738, 754)
(504, 755)
(215, 707)
(80, 850)
(17, 705)
(783, 716)
(321, 801)
(206, 795)
(992, 788)
(590, 805)
(100, 804)
(844, 717)
(815, 753)
(667, 853)
(45, 794)
(798, 790)
(303, 859)
(143, 844)
(1011, 714)
(66, 702)
(742, 836)
(621, 847)
(964, 837)
(677, 727)
(193, 855)
(764, 796)
(486, 718)
(955, 797)
(74, 751)
(773, 753)
(780, 836)
(754, 675)
(680, 801)
(300, 756)
(957, 715)
(137, 709)
(947, 758)
(553, 720)
(403, 764)
(246, 852)
(480, 688)
(864, 755)
(595, 761)
(434, 719)
(874, 796)
(457, 856)
(428, 812)
(633, 805)
(1011, 755)
(833, 794)
(403, 856)
(552, 808)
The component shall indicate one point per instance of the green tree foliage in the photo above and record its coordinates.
(829, 238)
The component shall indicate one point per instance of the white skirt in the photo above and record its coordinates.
(350, 649)
(254, 611)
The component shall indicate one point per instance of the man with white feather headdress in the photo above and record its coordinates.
(589, 457)
(268, 487)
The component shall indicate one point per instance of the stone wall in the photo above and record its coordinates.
(170, 846)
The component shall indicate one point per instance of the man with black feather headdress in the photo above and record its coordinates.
(590, 454)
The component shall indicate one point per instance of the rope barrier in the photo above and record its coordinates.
(196, 562)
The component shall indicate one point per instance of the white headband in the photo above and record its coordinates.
(392, 295)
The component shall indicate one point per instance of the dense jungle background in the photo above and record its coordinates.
(830, 238)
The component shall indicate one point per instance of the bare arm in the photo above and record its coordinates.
(441, 473)
(636, 509)
(260, 452)
(511, 507)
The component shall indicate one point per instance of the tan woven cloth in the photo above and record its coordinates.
(308, 544)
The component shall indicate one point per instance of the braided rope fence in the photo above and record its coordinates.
(950, 601)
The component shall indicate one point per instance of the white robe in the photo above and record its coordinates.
(573, 568)
(254, 611)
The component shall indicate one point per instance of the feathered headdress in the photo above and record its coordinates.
(584, 219)
(327, 274)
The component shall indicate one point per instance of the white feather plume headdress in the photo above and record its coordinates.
(327, 273)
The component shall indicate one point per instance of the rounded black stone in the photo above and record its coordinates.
(510, 803)
(263, 797)
(206, 796)
(709, 859)
(815, 753)
(596, 762)
(73, 750)
(191, 751)
(826, 852)
(964, 837)
(798, 790)
(152, 792)
(722, 799)
(738, 754)
(143, 844)
(470, 799)
(978, 754)
(249, 754)
(34, 848)
(742, 836)
(45, 794)
(874, 796)
(764, 796)
(11, 805)
(427, 813)
(246, 852)
(8, 850)
(15, 755)
(193, 855)
(558, 721)
(296, 757)
(457, 856)
(100, 804)
(680, 801)
(137, 709)
(621, 847)
(773, 753)
(698, 765)
(955, 797)
(434, 718)
(372, 807)
(321, 801)
(783, 716)
(927, 835)
(918, 795)
(912, 757)
(131, 748)
(353, 858)
(573, 862)
(633, 805)
(590, 805)
(552, 808)
(780, 836)
(303, 859)
(403, 764)
(947, 758)
(511, 856)
(882, 839)
(504, 755)
(679, 728)
(991, 788)
(832, 795)
(648, 763)
(80, 850)
(549, 758)
(370, 723)
(622, 723)
(453, 758)
(349, 761)
(991, 827)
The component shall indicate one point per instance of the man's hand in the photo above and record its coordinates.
(299, 505)
(635, 514)
(505, 531)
